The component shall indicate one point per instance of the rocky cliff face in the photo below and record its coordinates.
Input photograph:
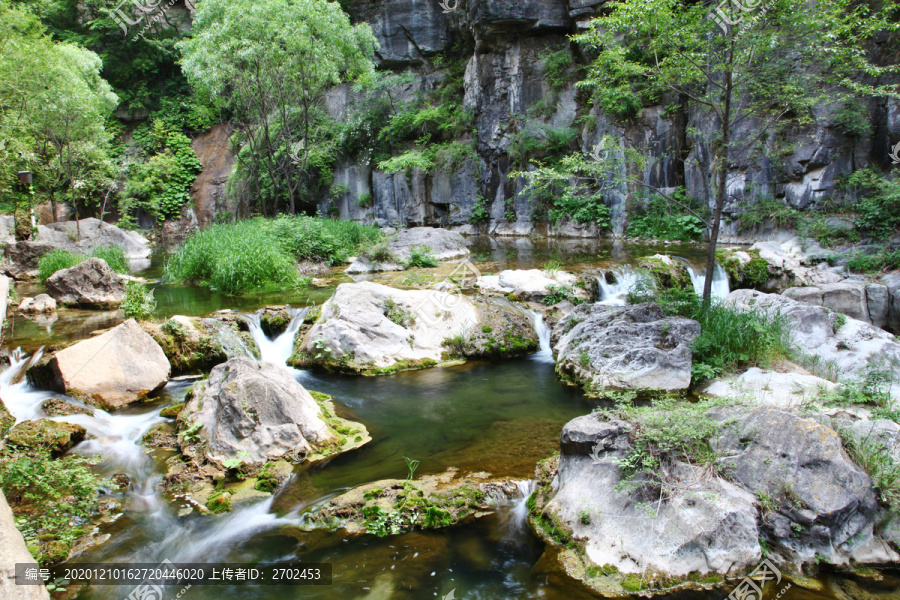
(506, 75)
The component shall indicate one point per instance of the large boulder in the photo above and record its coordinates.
(784, 390)
(796, 262)
(778, 478)
(90, 284)
(371, 328)
(625, 347)
(109, 371)
(190, 344)
(817, 504)
(95, 233)
(255, 412)
(531, 284)
(707, 524)
(442, 244)
(892, 283)
(859, 300)
(842, 348)
(20, 259)
(12, 551)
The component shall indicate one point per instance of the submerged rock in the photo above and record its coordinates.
(254, 413)
(54, 436)
(90, 284)
(625, 347)
(395, 506)
(57, 407)
(112, 370)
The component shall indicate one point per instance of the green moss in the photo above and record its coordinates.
(172, 412)
(219, 502)
(667, 276)
(57, 437)
(754, 274)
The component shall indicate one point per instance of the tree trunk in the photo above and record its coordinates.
(721, 188)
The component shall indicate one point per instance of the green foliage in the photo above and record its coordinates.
(541, 143)
(420, 256)
(364, 200)
(557, 67)
(398, 314)
(664, 433)
(259, 254)
(139, 302)
(480, 212)
(560, 293)
(880, 260)
(162, 184)
(580, 208)
(659, 218)
(56, 260)
(853, 120)
(729, 339)
(879, 461)
(411, 466)
(52, 498)
(878, 207)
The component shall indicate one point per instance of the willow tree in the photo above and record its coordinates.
(775, 67)
(273, 61)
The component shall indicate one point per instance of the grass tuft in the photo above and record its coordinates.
(58, 260)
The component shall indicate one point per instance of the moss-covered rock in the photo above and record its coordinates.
(57, 407)
(172, 412)
(745, 268)
(53, 436)
(219, 502)
(503, 330)
(666, 272)
(274, 320)
(395, 506)
(6, 419)
(187, 344)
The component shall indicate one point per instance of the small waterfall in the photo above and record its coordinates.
(545, 354)
(720, 287)
(21, 400)
(613, 294)
(518, 516)
(277, 350)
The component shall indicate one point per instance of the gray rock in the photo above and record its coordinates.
(20, 259)
(625, 347)
(892, 282)
(109, 371)
(12, 551)
(91, 284)
(878, 301)
(820, 502)
(845, 354)
(255, 412)
(707, 524)
(784, 390)
(367, 326)
(442, 243)
(42, 303)
(95, 233)
(529, 284)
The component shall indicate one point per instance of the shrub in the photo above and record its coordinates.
(259, 254)
(398, 314)
(421, 256)
(139, 302)
(729, 339)
(659, 218)
(560, 293)
(56, 260)
(878, 207)
(879, 462)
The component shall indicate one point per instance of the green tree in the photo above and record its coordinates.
(768, 71)
(53, 109)
(273, 61)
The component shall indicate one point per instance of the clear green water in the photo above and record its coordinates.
(500, 417)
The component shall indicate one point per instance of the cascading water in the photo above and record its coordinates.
(613, 294)
(545, 354)
(720, 287)
(519, 514)
(279, 349)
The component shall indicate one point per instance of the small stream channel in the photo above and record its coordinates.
(501, 417)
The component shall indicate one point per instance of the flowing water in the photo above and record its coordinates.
(500, 417)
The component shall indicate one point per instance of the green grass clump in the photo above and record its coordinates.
(139, 302)
(260, 254)
(58, 260)
(729, 339)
